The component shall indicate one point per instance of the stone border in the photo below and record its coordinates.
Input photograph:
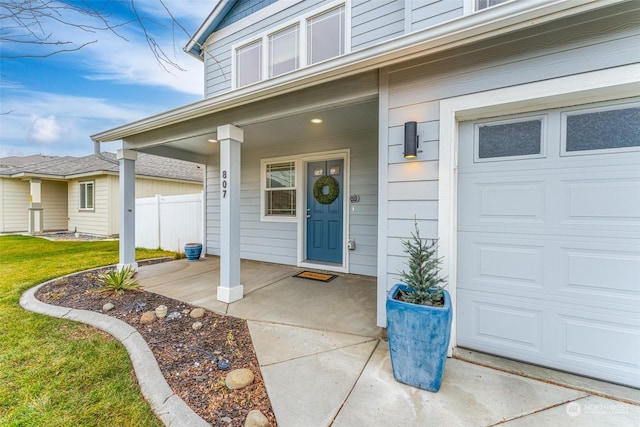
(167, 406)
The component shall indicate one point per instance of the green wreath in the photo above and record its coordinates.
(334, 190)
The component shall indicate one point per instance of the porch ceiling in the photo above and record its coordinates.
(349, 106)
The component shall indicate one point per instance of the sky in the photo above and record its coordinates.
(52, 105)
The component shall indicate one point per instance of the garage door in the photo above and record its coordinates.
(549, 239)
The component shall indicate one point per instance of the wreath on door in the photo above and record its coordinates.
(332, 193)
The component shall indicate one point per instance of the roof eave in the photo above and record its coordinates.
(194, 46)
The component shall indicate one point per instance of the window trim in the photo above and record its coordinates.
(301, 21)
(518, 119)
(93, 194)
(609, 106)
(263, 188)
(471, 6)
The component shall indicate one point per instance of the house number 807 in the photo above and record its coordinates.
(224, 184)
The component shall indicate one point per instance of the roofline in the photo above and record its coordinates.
(462, 31)
(194, 45)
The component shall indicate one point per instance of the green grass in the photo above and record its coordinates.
(55, 372)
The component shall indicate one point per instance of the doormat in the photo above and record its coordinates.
(311, 275)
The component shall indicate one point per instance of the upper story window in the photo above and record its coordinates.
(483, 4)
(248, 63)
(325, 35)
(284, 51)
(306, 41)
(86, 195)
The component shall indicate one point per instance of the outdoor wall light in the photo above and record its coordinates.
(410, 140)
(212, 140)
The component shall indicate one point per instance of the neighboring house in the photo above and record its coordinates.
(527, 117)
(49, 193)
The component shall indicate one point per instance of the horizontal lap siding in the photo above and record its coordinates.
(575, 46)
(54, 205)
(374, 21)
(427, 13)
(150, 187)
(277, 241)
(96, 221)
(15, 205)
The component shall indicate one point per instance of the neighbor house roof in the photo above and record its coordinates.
(68, 167)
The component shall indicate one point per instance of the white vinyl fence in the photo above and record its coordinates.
(168, 222)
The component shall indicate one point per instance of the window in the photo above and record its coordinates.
(86, 195)
(248, 64)
(280, 189)
(602, 129)
(325, 36)
(483, 4)
(305, 41)
(284, 51)
(514, 138)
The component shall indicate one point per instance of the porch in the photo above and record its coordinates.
(324, 361)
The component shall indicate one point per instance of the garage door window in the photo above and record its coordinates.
(515, 139)
(616, 128)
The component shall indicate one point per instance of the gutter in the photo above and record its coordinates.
(457, 32)
(97, 152)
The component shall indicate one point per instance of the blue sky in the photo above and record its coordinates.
(52, 105)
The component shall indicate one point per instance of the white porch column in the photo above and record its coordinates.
(230, 138)
(36, 218)
(127, 159)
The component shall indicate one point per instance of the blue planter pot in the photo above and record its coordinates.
(418, 340)
(193, 251)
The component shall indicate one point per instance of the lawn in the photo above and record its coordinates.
(56, 372)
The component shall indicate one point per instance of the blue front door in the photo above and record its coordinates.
(324, 215)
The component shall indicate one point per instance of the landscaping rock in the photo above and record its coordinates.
(108, 307)
(172, 316)
(239, 378)
(256, 419)
(148, 317)
(197, 326)
(161, 311)
(227, 420)
(196, 313)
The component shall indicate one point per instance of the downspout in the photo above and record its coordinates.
(96, 150)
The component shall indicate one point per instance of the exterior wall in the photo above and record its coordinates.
(425, 14)
(416, 89)
(54, 203)
(105, 219)
(373, 22)
(14, 205)
(96, 221)
(277, 241)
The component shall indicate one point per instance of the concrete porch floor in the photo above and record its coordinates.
(325, 362)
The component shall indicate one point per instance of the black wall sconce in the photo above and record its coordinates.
(410, 140)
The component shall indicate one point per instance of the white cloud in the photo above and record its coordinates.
(45, 129)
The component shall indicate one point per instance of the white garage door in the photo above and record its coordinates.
(549, 239)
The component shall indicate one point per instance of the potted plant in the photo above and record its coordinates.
(419, 317)
(193, 251)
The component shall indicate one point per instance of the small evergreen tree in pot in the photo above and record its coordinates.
(423, 277)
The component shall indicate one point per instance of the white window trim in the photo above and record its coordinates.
(301, 21)
(596, 86)
(543, 138)
(263, 188)
(93, 193)
(469, 7)
(578, 111)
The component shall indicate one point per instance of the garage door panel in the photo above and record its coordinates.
(500, 265)
(487, 323)
(548, 267)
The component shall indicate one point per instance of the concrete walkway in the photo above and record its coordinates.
(324, 361)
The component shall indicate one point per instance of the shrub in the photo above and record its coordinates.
(423, 277)
(118, 282)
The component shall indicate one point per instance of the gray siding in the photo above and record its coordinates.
(425, 14)
(570, 47)
(276, 241)
(374, 21)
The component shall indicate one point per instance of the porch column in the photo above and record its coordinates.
(36, 218)
(127, 159)
(230, 138)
